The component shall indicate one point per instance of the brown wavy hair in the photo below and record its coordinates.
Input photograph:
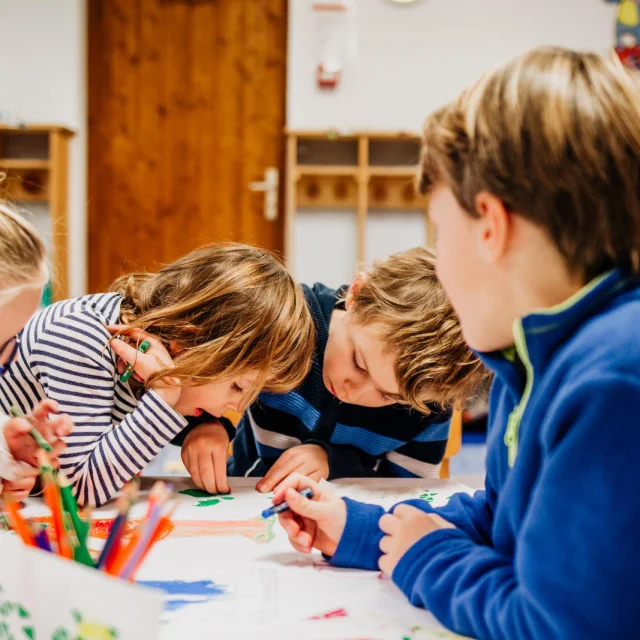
(434, 364)
(555, 135)
(229, 308)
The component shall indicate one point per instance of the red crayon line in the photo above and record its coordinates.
(338, 613)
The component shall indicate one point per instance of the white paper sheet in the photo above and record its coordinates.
(227, 573)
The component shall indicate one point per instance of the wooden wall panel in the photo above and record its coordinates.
(186, 108)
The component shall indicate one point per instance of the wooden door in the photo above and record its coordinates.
(186, 108)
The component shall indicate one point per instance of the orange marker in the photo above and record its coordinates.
(19, 524)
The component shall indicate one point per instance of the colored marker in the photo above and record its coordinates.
(143, 347)
(283, 506)
(41, 538)
(35, 434)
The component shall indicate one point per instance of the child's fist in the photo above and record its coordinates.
(204, 453)
(403, 528)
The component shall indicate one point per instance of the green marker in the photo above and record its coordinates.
(35, 434)
(143, 348)
(69, 504)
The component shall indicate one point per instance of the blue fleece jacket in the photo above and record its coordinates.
(551, 548)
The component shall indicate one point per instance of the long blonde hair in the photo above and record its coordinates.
(229, 309)
(22, 254)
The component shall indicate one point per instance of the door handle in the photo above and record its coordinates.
(270, 187)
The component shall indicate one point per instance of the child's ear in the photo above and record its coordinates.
(355, 287)
(494, 226)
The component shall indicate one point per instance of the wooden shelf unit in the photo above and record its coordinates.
(34, 161)
(358, 170)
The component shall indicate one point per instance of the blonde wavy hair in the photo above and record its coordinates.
(22, 262)
(434, 364)
(225, 309)
(555, 134)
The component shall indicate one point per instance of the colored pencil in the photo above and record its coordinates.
(125, 552)
(54, 502)
(145, 539)
(113, 542)
(163, 523)
(80, 551)
(35, 434)
(41, 538)
(19, 524)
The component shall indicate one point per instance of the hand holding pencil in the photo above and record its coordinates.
(43, 427)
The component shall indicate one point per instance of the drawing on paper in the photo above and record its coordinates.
(429, 496)
(86, 630)
(205, 499)
(14, 614)
(258, 530)
(181, 593)
(337, 613)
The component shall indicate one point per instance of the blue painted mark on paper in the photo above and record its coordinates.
(182, 593)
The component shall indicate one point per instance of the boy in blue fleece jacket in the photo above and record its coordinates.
(534, 183)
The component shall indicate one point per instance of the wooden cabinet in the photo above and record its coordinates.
(34, 161)
(359, 170)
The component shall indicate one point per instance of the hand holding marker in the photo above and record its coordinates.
(143, 348)
(14, 412)
(283, 506)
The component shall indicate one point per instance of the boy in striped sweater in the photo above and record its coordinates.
(389, 363)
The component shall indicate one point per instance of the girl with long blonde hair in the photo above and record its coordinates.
(222, 323)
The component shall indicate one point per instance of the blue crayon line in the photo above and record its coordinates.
(283, 506)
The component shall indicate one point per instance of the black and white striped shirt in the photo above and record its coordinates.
(64, 356)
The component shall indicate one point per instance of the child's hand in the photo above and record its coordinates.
(309, 460)
(204, 453)
(146, 364)
(317, 523)
(404, 527)
(23, 447)
(18, 490)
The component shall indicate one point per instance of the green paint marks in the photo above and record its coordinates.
(209, 503)
(206, 499)
(8, 608)
(268, 535)
(428, 496)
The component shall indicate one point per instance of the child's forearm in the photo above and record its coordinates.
(120, 452)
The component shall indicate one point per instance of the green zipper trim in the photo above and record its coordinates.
(515, 417)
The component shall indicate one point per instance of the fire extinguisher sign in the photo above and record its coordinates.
(335, 40)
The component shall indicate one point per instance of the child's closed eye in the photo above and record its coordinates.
(237, 388)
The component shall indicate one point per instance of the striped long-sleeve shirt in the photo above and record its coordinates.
(64, 356)
(360, 441)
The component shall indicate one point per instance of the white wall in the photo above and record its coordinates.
(43, 80)
(410, 60)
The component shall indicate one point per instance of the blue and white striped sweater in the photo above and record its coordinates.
(359, 441)
(64, 356)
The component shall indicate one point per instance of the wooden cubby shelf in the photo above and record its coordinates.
(34, 165)
(359, 170)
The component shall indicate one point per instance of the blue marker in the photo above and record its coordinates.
(283, 506)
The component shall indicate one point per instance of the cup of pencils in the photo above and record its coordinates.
(72, 528)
